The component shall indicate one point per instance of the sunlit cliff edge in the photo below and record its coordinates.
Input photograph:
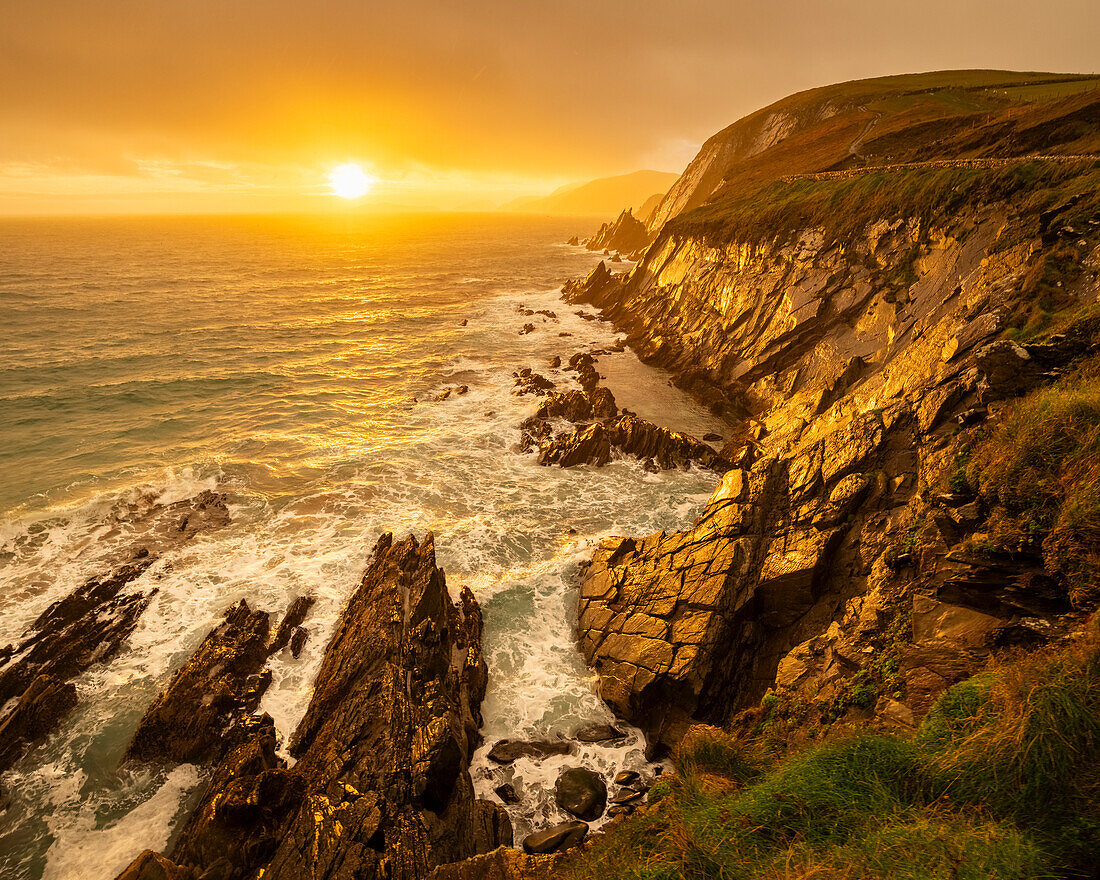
(871, 655)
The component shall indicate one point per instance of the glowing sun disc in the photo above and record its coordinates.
(349, 181)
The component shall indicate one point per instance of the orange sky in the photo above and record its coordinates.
(244, 105)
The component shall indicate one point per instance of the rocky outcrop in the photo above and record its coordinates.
(625, 235)
(220, 685)
(381, 786)
(629, 436)
(92, 623)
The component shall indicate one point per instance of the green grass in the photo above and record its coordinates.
(1002, 780)
(1039, 470)
(844, 208)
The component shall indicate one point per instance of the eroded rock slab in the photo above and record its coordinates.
(221, 683)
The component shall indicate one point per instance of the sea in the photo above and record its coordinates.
(299, 365)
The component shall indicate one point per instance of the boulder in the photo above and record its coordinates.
(506, 751)
(596, 733)
(560, 837)
(627, 777)
(581, 792)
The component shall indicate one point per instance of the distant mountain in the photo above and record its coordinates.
(607, 195)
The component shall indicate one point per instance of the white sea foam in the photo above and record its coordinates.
(311, 430)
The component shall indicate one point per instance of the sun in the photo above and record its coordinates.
(350, 181)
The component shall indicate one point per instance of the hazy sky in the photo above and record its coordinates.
(246, 104)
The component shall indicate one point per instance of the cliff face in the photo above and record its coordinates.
(832, 553)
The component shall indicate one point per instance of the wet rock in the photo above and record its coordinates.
(292, 622)
(630, 435)
(506, 751)
(527, 328)
(39, 710)
(153, 866)
(627, 777)
(507, 793)
(560, 837)
(463, 322)
(554, 362)
(627, 796)
(462, 389)
(531, 383)
(381, 787)
(574, 241)
(581, 792)
(298, 641)
(590, 445)
(597, 733)
(547, 313)
(220, 684)
(92, 623)
(713, 438)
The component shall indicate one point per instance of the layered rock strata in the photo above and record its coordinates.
(381, 786)
(91, 624)
(831, 552)
(602, 434)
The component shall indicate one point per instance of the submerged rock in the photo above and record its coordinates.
(581, 792)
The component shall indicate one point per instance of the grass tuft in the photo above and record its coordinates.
(1001, 781)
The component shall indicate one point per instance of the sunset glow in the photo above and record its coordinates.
(350, 181)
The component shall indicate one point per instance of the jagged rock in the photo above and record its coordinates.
(153, 866)
(581, 792)
(595, 733)
(527, 328)
(590, 445)
(554, 362)
(629, 435)
(291, 623)
(575, 406)
(625, 234)
(574, 241)
(219, 685)
(506, 751)
(381, 787)
(507, 793)
(560, 837)
(91, 624)
(531, 383)
(39, 710)
(504, 863)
